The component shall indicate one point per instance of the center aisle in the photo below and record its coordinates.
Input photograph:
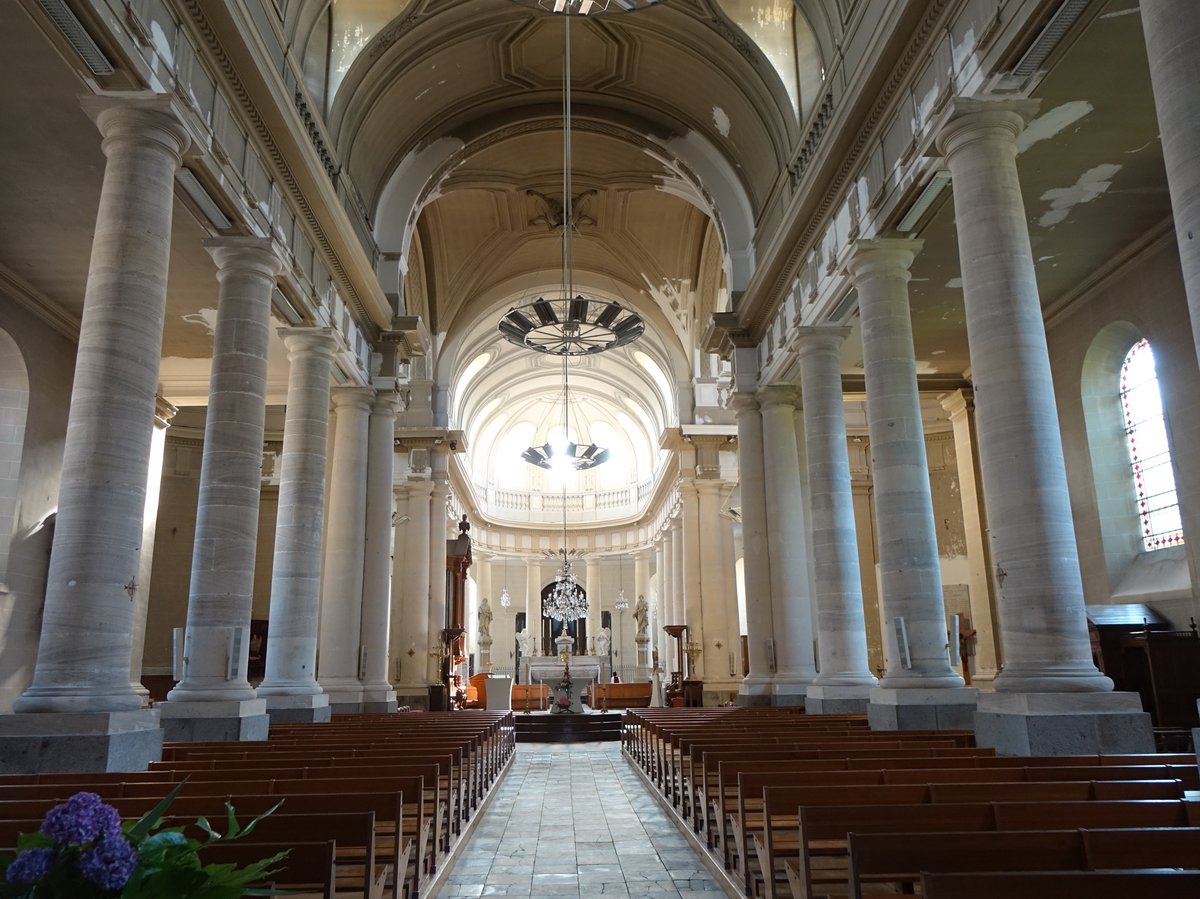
(575, 820)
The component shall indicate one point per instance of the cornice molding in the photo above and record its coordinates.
(38, 304)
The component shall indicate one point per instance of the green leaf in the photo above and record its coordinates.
(35, 840)
(249, 827)
(203, 824)
(148, 821)
(231, 825)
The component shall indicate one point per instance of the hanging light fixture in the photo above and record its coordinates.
(589, 7)
(621, 604)
(505, 598)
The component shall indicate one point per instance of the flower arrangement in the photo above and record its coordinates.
(562, 701)
(84, 851)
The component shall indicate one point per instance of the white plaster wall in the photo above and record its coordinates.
(50, 361)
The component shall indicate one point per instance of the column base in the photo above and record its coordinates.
(837, 700)
(1063, 723)
(379, 699)
(755, 691)
(789, 691)
(720, 692)
(228, 720)
(415, 696)
(922, 708)
(84, 742)
(307, 708)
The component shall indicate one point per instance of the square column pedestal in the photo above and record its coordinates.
(1063, 723)
(231, 720)
(299, 709)
(74, 742)
(837, 700)
(379, 700)
(918, 708)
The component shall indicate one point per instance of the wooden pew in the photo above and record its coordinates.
(618, 696)
(1062, 885)
(308, 870)
(895, 861)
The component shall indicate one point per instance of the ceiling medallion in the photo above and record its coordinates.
(588, 7)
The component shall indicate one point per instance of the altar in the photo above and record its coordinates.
(584, 670)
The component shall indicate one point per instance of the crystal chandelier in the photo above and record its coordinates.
(566, 602)
(589, 7)
(621, 604)
(505, 598)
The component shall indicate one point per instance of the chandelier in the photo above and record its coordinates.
(505, 596)
(566, 601)
(621, 604)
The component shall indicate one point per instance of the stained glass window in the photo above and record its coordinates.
(1149, 455)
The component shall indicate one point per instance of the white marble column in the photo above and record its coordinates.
(290, 685)
(661, 607)
(918, 659)
(719, 601)
(415, 652)
(378, 695)
(163, 413)
(693, 588)
(399, 633)
(214, 701)
(678, 607)
(1044, 624)
(791, 608)
(595, 599)
(437, 565)
(668, 597)
(87, 624)
(756, 687)
(960, 406)
(1172, 32)
(533, 605)
(345, 543)
(845, 677)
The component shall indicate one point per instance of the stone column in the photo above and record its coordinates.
(845, 678)
(693, 589)
(659, 615)
(415, 653)
(641, 592)
(791, 608)
(756, 688)
(668, 596)
(533, 606)
(290, 685)
(378, 695)
(214, 701)
(1048, 662)
(1172, 31)
(87, 624)
(163, 413)
(345, 543)
(595, 598)
(399, 635)
(437, 566)
(718, 592)
(961, 407)
(912, 693)
(678, 606)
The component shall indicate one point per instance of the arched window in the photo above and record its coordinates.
(1149, 453)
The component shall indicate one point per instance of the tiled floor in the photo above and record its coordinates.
(574, 820)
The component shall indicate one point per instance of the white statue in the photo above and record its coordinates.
(641, 613)
(524, 641)
(603, 641)
(485, 621)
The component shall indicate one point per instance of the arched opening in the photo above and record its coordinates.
(1157, 504)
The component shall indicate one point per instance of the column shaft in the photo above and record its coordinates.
(693, 589)
(222, 583)
(841, 628)
(787, 540)
(1043, 620)
(87, 623)
(595, 598)
(378, 695)
(437, 568)
(416, 587)
(718, 600)
(678, 607)
(290, 683)
(1172, 32)
(760, 624)
(910, 571)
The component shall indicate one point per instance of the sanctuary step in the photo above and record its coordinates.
(590, 727)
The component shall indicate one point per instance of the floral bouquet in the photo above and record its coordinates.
(562, 701)
(83, 851)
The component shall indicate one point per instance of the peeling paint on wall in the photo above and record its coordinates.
(1052, 122)
(1091, 184)
(206, 318)
(721, 120)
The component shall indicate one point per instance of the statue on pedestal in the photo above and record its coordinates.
(524, 641)
(603, 641)
(640, 614)
(485, 621)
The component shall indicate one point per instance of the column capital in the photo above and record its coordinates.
(971, 119)
(353, 397)
(309, 341)
(820, 337)
(958, 403)
(385, 403)
(883, 257)
(743, 402)
(686, 487)
(164, 412)
(706, 486)
(246, 255)
(141, 117)
(419, 485)
(778, 395)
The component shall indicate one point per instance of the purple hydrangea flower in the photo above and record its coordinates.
(30, 866)
(81, 819)
(110, 863)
